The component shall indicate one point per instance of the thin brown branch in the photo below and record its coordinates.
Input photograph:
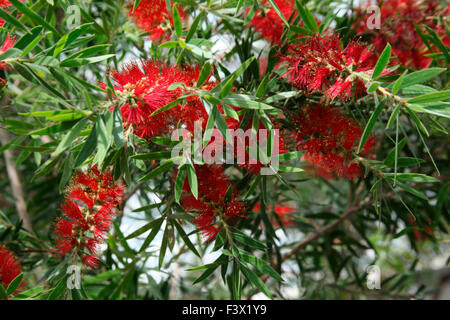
(16, 184)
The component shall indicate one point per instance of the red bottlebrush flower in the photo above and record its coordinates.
(319, 65)
(9, 268)
(91, 201)
(7, 44)
(284, 213)
(398, 19)
(151, 16)
(146, 90)
(268, 23)
(329, 137)
(211, 206)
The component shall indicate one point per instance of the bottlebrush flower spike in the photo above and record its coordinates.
(211, 207)
(7, 44)
(329, 137)
(398, 19)
(144, 88)
(9, 268)
(91, 203)
(319, 65)
(268, 23)
(284, 213)
(151, 16)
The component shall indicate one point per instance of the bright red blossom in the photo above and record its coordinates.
(284, 213)
(329, 137)
(151, 16)
(319, 65)
(7, 44)
(9, 267)
(211, 206)
(91, 203)
(398, 20)
(268, 23)
(145, 89)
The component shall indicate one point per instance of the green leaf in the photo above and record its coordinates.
(3, 294)
(136, 3)
(177, 21)
(307, 17)
(244, 101)
(155, 229)
(370, 124)
(33, 16)
(88, 148)
(29, 293)
(256, 281)
(192, 178)
(420, 76)
(413, 191)
(71, 135)
(412, 177)
(398, 83)
(278, 11)
(417, 121)
(382, 61)
(194, 26)
(157, 171)
(260, 264)
(14, 284)
(163, 248)
(204, 74)
(212, 267)
(103, 141)
(59, 290)
(232, 77)
(179, 182)
(185, 238)
(430, 97)
(149, 207)
(159, 155)
(166, 107)
(12, 20)
(247, 240)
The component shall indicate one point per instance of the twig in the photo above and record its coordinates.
(16, 184)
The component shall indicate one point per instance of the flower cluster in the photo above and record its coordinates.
(268, 23)
(319, 65)
(398, 21)
(211, 205)
(9, 267)
(91, 203)
(147, 89)
(151, 16)
(7, 44)
(329, 137)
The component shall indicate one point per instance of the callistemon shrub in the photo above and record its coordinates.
(276, 149)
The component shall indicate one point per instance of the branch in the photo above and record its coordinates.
(16, 184)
